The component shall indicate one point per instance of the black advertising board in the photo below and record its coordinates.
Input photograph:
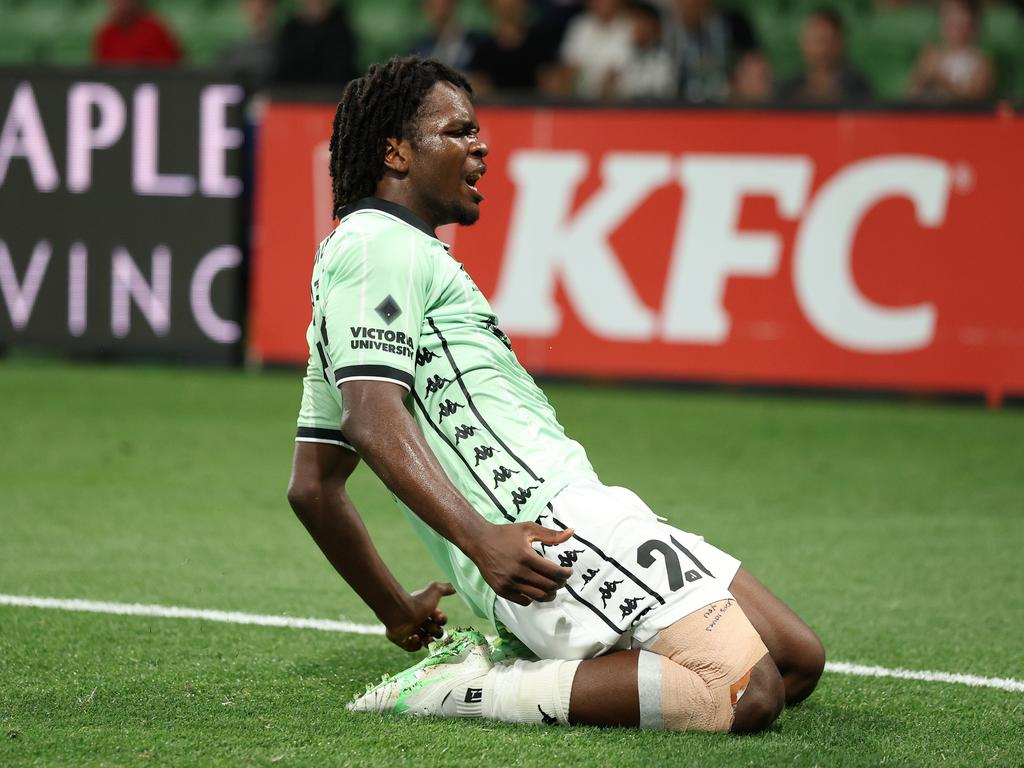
(121, 213)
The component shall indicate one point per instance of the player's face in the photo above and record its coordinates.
(448, 157)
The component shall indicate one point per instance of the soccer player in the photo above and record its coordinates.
(608, 615)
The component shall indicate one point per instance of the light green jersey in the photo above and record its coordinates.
(391, 304)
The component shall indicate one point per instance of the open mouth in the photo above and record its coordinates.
(472, 179)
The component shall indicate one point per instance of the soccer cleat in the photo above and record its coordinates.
(422, 688)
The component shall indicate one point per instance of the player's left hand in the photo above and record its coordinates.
(422, 621)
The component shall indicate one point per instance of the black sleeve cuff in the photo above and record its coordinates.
(374, 373)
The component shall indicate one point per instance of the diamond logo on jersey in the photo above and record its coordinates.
(388, 309)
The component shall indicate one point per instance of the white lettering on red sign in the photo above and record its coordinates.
(823, 255)
(708, 246)
(546, 242)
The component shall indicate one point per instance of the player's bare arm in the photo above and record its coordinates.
(319, 498)
(379, 426)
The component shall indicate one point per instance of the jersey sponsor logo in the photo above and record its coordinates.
(503, 473)
(381, 339)
(388, 309)
(636, 619)
(568, 559)
(546, 718)
(629, 605)
(482, 453)
(447, 408)
(424, 356)
(464, 432)
(434, 384)
(607, 590)
(492, 326)
(521, 495)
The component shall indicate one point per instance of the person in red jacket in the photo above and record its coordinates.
(132, 34)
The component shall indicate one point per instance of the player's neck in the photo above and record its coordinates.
(403, 197)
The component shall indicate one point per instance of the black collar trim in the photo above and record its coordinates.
(394, 209)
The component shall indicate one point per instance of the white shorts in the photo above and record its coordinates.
(633, 575)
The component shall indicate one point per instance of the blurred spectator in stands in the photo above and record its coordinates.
(514, 55)
(956, 69)
(254, 58)
(553, 17)
(827, 77)
(131, 34)
(650, 70)
(707, 42)
(447, 42)
(596, 46)
(752, 80)
(316, 46)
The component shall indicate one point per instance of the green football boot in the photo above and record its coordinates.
(459, 657)
(508, 648)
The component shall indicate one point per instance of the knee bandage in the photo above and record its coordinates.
(697, 669)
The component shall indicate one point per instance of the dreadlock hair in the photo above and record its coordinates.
(380, 105)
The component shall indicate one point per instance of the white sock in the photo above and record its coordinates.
(518, 692)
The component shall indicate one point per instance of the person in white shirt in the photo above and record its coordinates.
(650, 69)
(596, 47)
(956, 70)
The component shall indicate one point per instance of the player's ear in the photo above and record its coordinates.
(397, 154)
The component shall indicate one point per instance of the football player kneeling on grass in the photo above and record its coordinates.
(606, 615)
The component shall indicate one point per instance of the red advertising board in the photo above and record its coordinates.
(850, 250)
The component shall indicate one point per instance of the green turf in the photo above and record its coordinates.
(895, 529)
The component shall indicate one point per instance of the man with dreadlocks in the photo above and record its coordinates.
(606, 615)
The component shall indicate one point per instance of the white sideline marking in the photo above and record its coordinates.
(864, 670)
(351, 628)
(173, 612)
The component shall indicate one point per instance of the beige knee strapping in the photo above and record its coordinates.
(675, 698)
(701, 670)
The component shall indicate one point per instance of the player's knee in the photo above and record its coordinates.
(304, 498)
(683, 699)
(720, 665)
(807, 662)
(762, 701)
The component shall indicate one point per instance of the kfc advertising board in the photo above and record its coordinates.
(121, 213)
(855, 250)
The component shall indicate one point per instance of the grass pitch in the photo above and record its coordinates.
(894, 529)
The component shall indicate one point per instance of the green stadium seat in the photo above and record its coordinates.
(1002, 36)
(18, 49)
(778, 33)
(476, 14)
(885, 46)
(71, 41)
(384, 29)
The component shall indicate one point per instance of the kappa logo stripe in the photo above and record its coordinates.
(472, 405)
(608, 558)
(479, 480)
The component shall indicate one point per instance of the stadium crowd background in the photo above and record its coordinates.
(684, 51)
(859, 231)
